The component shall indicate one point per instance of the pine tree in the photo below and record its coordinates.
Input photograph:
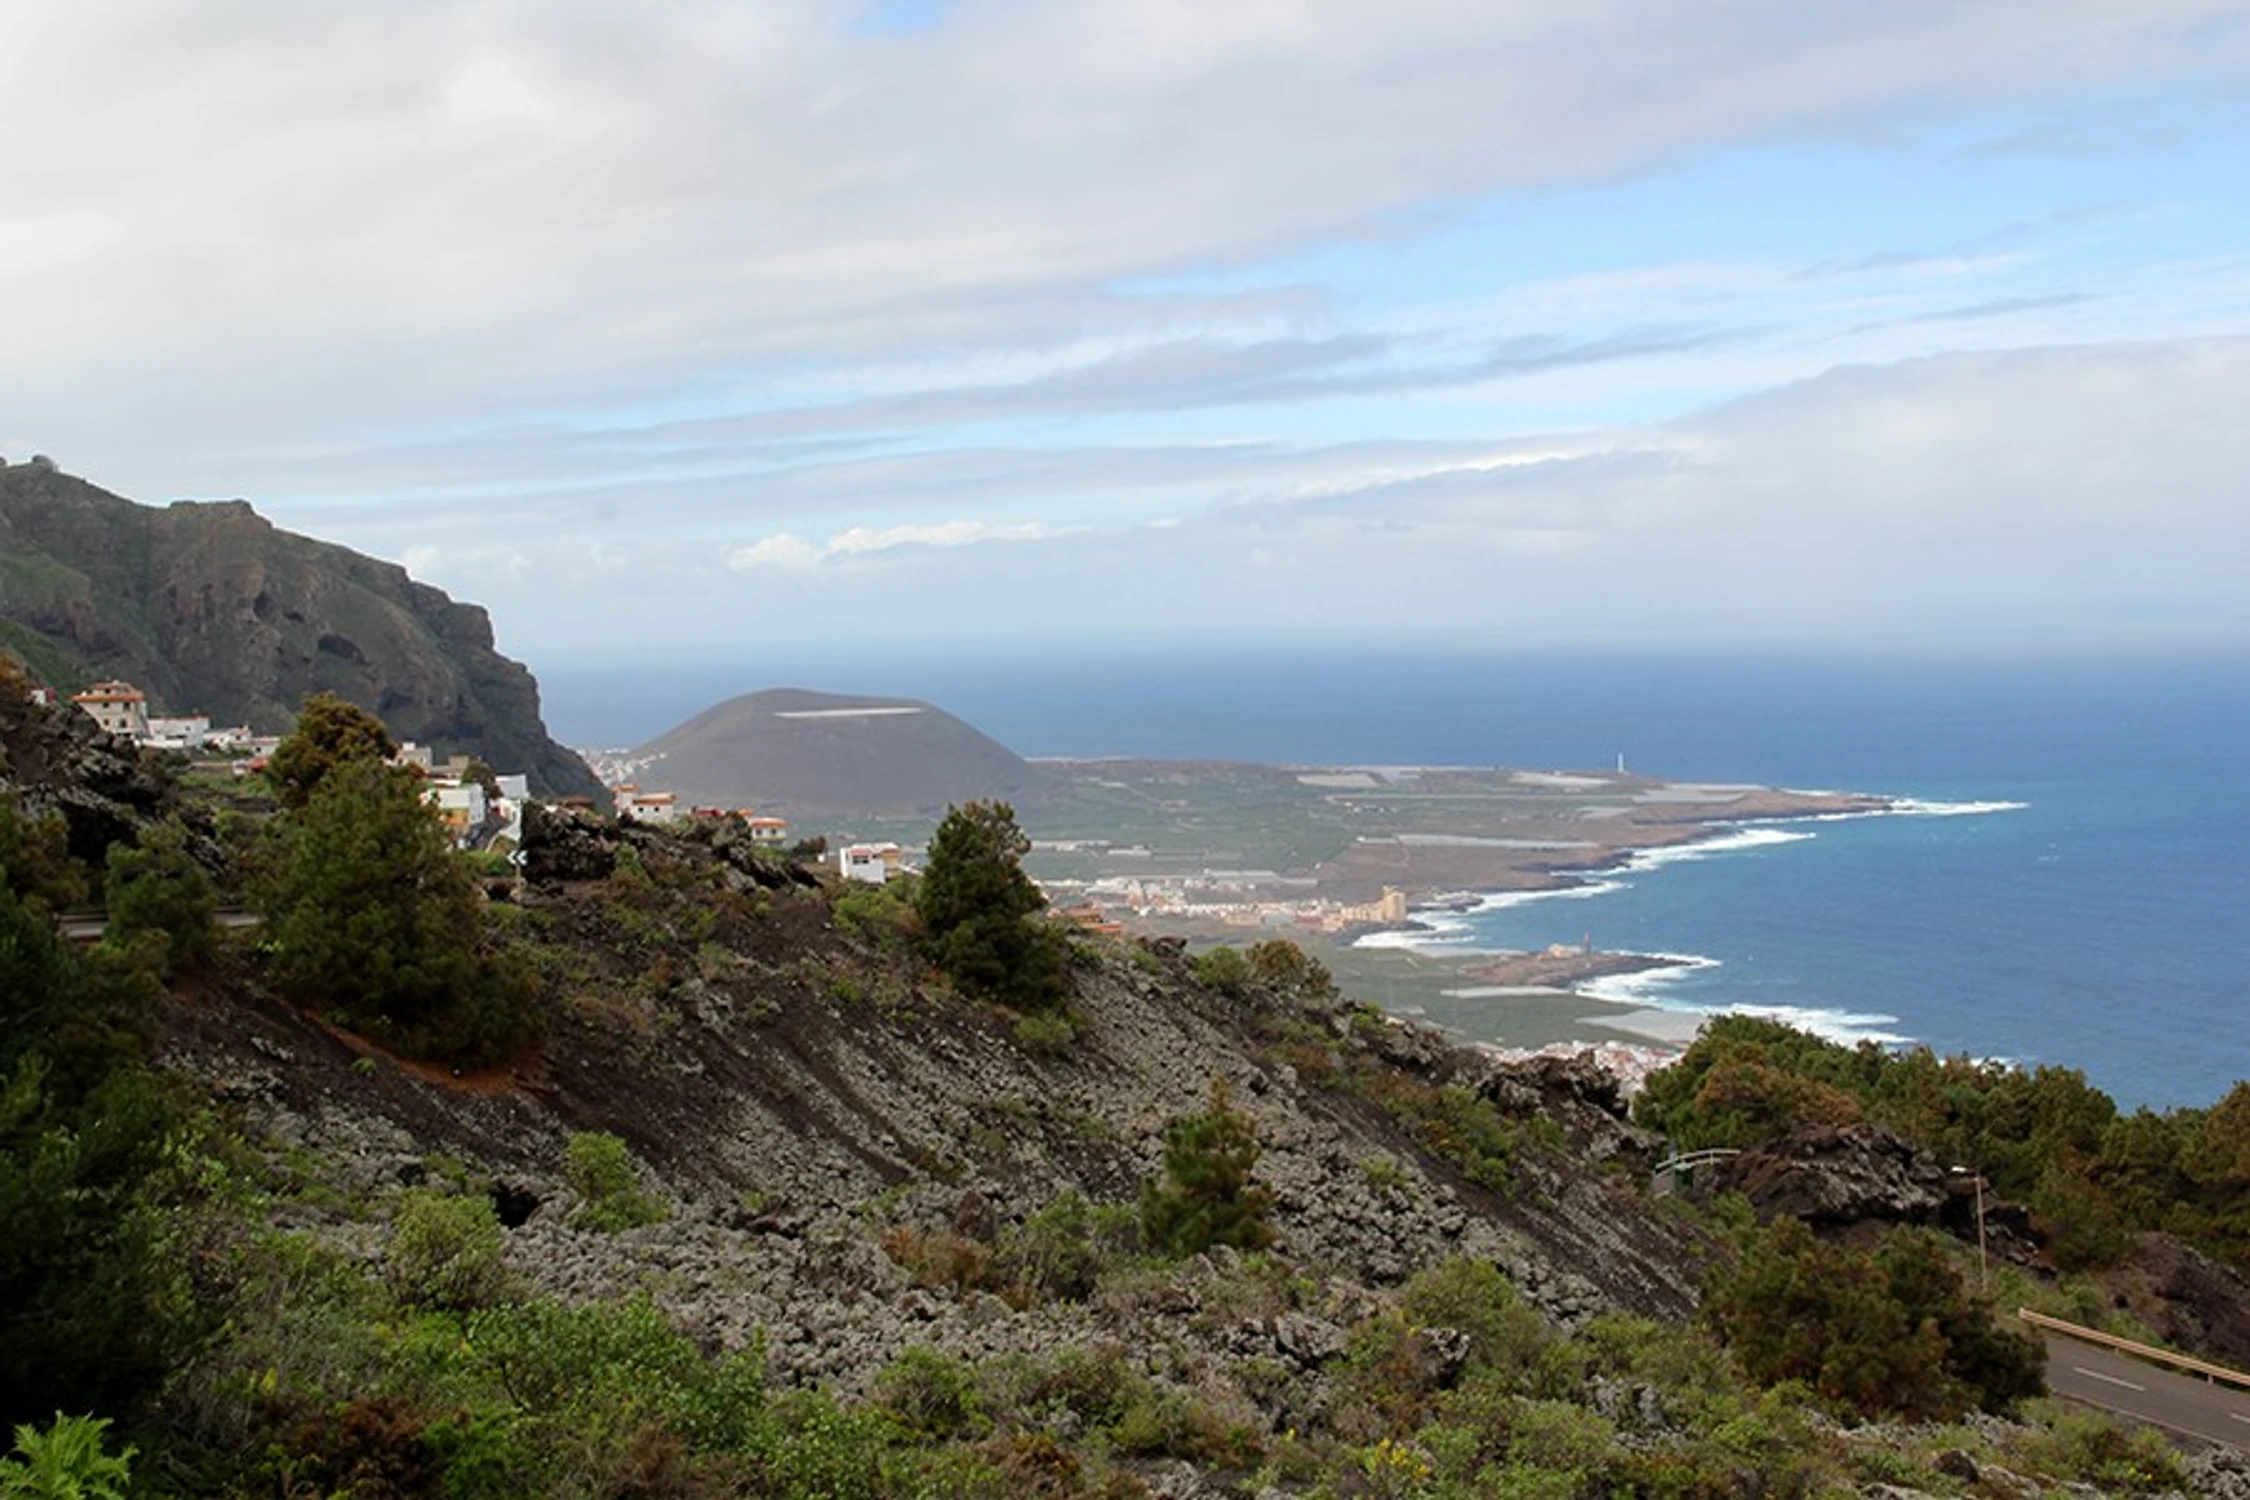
(1209, 1196)
(374, 918)
(976, 907)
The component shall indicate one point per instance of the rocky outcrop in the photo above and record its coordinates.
(1835, 1177)
(2191, 1300)
(55, 761)
(210, 608)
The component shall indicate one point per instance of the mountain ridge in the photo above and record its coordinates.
(209, 607)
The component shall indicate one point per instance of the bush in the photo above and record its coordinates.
(976, 907)
(931, 1395)
(68, 1461)
(1045, 1033)
(154, 888)
(599, 1169)
(1208, 1196)
(445, 1251)
(372, 917)
(1061, 1251)
(1280, 965)
(1892, 1331)
(882, 914)
(1223, 971)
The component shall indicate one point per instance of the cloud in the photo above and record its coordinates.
(315, 222)
(794, 554)
(781, 550)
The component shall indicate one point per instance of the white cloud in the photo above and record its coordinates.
(609, 283)
(781, 550)
(790, 553)
(864, 539)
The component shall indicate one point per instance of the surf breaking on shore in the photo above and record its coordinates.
(1645, 988)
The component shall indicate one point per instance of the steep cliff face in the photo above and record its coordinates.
(210, 608)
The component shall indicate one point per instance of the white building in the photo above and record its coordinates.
(646, 807)
(873, 863)
(186, 732)
(460, 803)
(118, 707)
(769, 830)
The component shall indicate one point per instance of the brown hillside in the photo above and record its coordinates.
(804, 753)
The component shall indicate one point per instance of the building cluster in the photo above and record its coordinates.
(478, 815)
(481, 811)
(665, 807)
(122, 709)
(1243, 898)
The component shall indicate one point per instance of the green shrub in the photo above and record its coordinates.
(154, 888)
(1472, 1296)
(1891, 1331)
(1208, 1196)
(445, 1251)
(1280, 965)
(882, 914)
(2099, 1451)
(68, 1461)
(1045, 1033)
(600, 1170)
(1223, 971)
(931, 1395)
(1062, 1250)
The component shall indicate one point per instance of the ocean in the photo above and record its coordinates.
(2074, 888)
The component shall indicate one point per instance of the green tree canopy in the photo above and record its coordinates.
(330, 732)
(156, 892)
(976, 907)
(372, 916)
(1209, 1195)
(93, 1307)
(1892, 1331)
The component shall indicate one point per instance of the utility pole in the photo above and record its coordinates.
(1984, 1264)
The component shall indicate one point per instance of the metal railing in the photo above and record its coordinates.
(1668, 1174)
(2148, 1352)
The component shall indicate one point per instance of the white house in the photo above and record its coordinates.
(769, 830)
(873, 863)
(184, 732)
(646, 807)
(118, 707)
(460, 803)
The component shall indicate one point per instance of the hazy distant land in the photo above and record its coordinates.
(1230, 852)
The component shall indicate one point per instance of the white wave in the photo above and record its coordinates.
(1651, 989)
(1915, 807)
(1747, 838)
(1648, 987)
(1848, 1027)
(1503, 900)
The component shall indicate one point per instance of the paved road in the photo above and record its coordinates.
(2185, 1404)
(87, 928)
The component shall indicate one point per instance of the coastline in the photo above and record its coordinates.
(1607, 994)
(1566, 999)
(1205, 852)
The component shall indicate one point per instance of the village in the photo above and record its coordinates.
(483, 809)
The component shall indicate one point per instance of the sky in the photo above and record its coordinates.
(1922, 325)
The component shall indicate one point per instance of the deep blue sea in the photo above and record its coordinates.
(2103, 924)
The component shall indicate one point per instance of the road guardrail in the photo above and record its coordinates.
(2148, 1352)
